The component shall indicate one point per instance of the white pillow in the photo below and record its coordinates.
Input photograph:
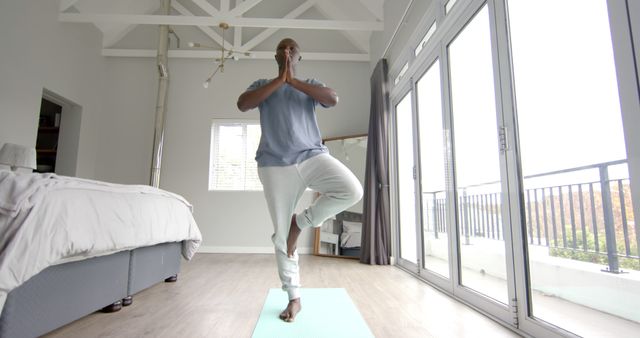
(349, 227)
(351, 235)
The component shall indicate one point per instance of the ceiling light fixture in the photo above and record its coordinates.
(225, 54)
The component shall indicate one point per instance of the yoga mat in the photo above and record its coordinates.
(325, 313)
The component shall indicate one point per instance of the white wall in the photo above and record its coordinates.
(38, 52)
(125, 151)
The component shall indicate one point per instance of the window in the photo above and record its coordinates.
(406, 166)
(233, 147)
(401, 74)
(578, 215)
(425, 39)
(476, 155)
(449, 6)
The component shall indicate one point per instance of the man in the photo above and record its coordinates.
(291, 158)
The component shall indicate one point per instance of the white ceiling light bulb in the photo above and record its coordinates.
(206, 83)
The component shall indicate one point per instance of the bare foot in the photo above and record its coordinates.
(294, 232)
(289, 314)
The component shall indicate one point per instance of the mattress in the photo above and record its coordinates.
(47, 220)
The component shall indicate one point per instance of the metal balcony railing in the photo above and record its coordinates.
(565, 209)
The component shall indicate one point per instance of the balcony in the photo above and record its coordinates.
(582, 246)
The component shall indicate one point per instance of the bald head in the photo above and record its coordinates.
(288, 47)
(288, 42)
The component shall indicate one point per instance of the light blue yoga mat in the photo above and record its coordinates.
(325, 313)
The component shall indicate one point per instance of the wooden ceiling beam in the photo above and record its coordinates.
(205, 29)
(212, 54)
(207, 7)
(243, 7)
(181, 20)
(270, 31)
(66, 4)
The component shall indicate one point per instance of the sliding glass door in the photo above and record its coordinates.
(433, 165)
(517, 163)
(406, 182)
(582, 242)
(476, 161)
(450, 174)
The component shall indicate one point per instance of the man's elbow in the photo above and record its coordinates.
(333, 100)
(243, 105)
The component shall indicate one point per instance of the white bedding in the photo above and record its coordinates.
(47, 219)
(351, 234)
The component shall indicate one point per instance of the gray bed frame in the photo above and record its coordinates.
(63, 293)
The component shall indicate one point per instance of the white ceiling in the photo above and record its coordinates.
(325, 29)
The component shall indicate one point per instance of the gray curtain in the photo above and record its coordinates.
(376, 246)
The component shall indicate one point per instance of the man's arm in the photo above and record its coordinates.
(253, 98)
(325, 95)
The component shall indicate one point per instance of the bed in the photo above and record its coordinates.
(350, 225)
(343, 234)
(70, 246)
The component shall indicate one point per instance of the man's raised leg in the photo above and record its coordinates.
(292, 239)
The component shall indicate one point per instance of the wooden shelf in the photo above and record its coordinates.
(48, 135)
(48, 129)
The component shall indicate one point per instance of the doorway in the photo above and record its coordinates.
(58, 135)
(48, 136)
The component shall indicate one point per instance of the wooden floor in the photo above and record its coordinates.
(221, 295)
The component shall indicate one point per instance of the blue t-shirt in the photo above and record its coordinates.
(290, 132)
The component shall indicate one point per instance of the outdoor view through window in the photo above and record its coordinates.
(577, 195)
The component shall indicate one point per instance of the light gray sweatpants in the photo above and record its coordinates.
(339, 189)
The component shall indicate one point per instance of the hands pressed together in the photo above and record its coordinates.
(324, 95)
(286, 72)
